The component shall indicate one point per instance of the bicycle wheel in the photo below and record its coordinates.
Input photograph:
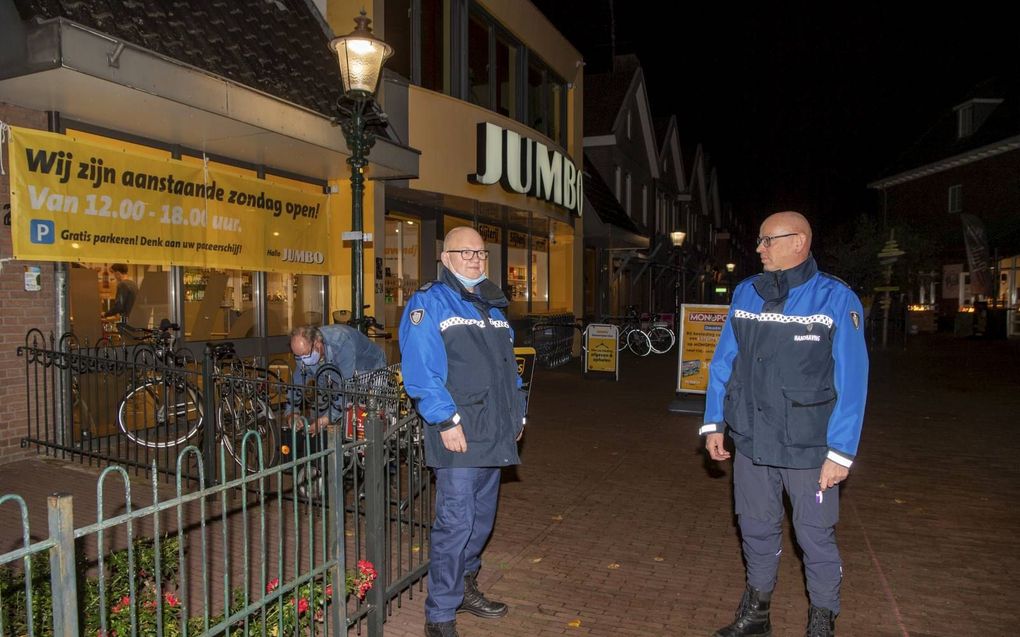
(661, 338)
(159, 414)
(638, 342)
(236, 415)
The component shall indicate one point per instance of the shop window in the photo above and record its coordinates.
(435, 46)
(518, 287)
(218, 304)
(401, 265)
(506, 85)
(93, 298)
(540, 273)
(537, 116)
(478, 62)
(293, 300)
(397, 24)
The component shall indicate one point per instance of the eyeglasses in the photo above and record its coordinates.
(467, 255)
(767, 240)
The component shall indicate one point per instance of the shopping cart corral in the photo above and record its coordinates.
(552, 336)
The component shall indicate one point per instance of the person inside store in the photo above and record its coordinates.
(127, 292)
(788, 384)
(345, 348)
(458, 365)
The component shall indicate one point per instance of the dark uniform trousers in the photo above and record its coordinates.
(758, 495)
(466, 500)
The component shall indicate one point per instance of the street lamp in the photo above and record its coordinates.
(730, 267)
(677, 238)
(361, 56)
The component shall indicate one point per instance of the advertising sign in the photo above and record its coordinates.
(601, 349)
(700, 328)
(80, 201)
(525, 357)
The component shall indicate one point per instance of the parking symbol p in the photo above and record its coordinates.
(42, 231)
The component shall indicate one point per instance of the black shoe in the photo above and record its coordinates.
(476, 603)
(752, 619)
(821, 622)
(442, 629)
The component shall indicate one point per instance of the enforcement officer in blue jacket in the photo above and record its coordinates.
(788, 382)
(458, 363)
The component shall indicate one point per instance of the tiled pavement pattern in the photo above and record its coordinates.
(615, 524)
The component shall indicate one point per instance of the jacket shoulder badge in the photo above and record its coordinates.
(855, 318)
(416, 316)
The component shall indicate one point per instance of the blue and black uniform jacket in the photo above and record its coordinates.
(457, 361)
(790, 373)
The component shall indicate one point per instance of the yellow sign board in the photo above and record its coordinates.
(700, 328)
(601, 349)
(77, 200)
(525, 357)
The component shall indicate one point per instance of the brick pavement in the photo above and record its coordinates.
(615, 525)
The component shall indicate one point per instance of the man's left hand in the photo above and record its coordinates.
(831, 475)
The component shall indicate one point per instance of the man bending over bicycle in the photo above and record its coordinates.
(343, 347)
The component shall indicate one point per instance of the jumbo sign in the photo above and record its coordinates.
(525, 166)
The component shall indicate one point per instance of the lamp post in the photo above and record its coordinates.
(361, 56)
(730, 267)
(677, 238)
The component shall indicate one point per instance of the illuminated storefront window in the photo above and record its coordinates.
(218, 304)
(401, 264)
(292, 300)
(93, 298)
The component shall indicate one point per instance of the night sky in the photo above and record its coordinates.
(799, 107)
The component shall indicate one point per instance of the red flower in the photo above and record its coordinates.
(319, 615)
(171, 600)
(273, 585)
(150, 604)
(302, 605)
(329, 590)
(367, 569)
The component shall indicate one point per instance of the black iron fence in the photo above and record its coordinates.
(269, 527)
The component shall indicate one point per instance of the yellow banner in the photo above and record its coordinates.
(700, 328)
(75, 200)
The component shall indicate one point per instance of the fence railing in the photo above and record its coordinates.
(266, 526)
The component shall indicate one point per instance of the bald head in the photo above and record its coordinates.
(461, 235)
(790, 243)
(458, 240)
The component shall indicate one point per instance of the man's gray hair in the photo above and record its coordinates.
(308, 332)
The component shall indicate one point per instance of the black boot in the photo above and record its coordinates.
(441, 629)
(476, 603)
(821, 622)
(752, 619)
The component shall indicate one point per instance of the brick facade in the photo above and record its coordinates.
(990, 190)
(21, 310)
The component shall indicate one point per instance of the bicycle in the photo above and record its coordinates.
(632, 337)
(660, 336)
(164, 409)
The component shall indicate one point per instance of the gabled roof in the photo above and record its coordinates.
(940, 148)
(604, 95)
(667, 136)
(279, 47)
(602, 199)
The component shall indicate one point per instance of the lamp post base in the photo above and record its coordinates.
(685, 403)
